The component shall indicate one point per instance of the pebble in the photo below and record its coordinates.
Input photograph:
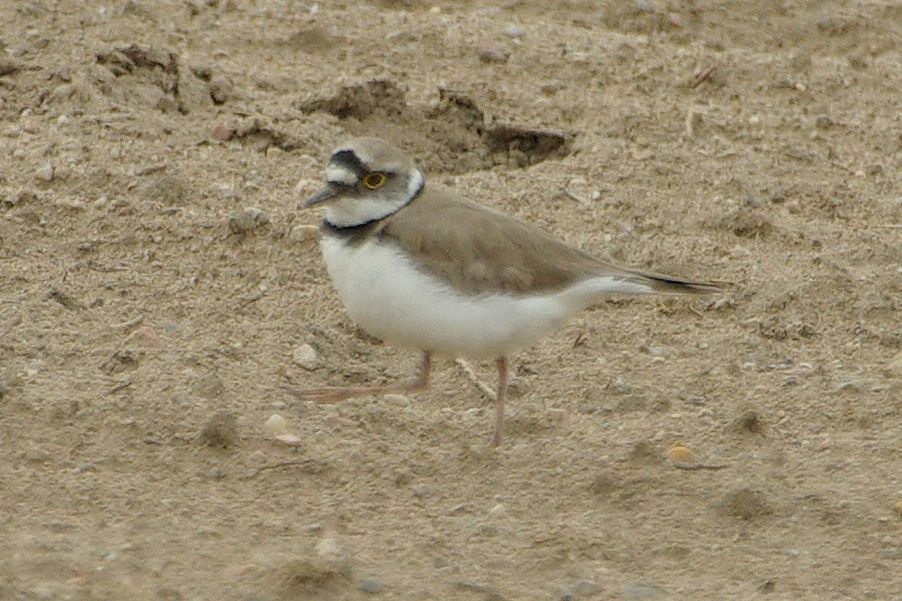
(45, 172)
(292, 440)
(304, 233)
(893, 369)
(586, 587)
(476, 587)
(680, 454)
(208, 386)
(823, 121)
(304, 188)
(897, 507)
(144, 336)
(223, 132)
(396, 400)
(890, 553)
(640, 591)
(329, 550)
(248, 220)
(276, 424)
(306, 357)
(746, 504)
(492, 53)
(515, 31)
(221, 430)
(371, 585)
(19, 153)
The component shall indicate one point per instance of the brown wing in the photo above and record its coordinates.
(481, 250)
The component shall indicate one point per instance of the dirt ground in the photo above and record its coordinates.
(150, 322)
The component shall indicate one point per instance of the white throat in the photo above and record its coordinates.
(348, 212)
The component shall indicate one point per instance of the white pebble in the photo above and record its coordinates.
(45, 172)
(304, 233)
(306, 357)
(515, 31)
(276, 424)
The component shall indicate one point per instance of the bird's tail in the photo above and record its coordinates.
(631, 281)
(665, 284)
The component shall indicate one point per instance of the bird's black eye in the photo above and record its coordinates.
(374, 180)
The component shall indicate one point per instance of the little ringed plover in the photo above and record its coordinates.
(421, 268)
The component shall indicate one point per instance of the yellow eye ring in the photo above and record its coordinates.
(374, 180)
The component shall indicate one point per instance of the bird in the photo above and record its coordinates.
(421, 268)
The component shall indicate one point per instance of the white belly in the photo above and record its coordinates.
(392, 300)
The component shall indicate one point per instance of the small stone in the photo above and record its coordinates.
(304, 188)
(419, 490)
(586, 588)
(45, 172)
(823, 121)
(475, 587)
(223, 132)
(329, 550)
(248, 220)
(304, 233)
(890, 553)
(498, 510)
(646, 6)
(19, 153)
(395, 399)
(680, 454)
(748, 422)
(566, 594)
(221, 90)
(492, 53)
(371, 585)
(30, 125)
(898, 508)
(306, 357)
(640, 591)
(208, 386)
(745, 504)
(276, 425)
(292, 440)
(221, 430)
(893, 369)
(144, 336)
(515, 31)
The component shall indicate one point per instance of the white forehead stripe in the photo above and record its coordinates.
(340, 175)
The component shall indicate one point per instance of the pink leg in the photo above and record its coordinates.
(503, 375)
(331, 395)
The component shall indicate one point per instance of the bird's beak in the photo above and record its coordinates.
(326, 194)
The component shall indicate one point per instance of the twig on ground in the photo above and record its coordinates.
(700, 466)
(274, 466)
(702, 76)
(471, 375)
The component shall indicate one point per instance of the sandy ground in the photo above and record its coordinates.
(140, 299)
